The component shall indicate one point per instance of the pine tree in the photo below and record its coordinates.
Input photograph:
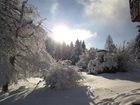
(71, 45)
(76, 52)
(109, 45)
(78, 47)
(83, 46)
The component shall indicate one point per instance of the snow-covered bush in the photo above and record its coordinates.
(84, 60)
(91, 53)
(124, 59)
(110, 62)
(95, 67)
(61, 77)
(104, 62)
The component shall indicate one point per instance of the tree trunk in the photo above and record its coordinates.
(5, 87)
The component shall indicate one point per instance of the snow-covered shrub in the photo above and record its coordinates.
(84, 60)
(91, 53)
(110, 62)
(104, 62)
(91, 66)
(124, 58)
(61, 77)
(95, 67)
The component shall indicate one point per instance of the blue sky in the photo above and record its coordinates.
(97, 17)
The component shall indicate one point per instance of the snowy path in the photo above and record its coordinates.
(123, 88)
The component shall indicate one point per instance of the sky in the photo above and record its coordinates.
(89, 20)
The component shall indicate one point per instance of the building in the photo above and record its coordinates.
(135, 10)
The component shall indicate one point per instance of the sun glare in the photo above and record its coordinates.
(63, 33)
(60, 33)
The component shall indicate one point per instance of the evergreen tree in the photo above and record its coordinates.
(78, 47)
(64, 51)
(109, 45)
(71, 45)
(83, 46)
(92, 53)
(71, 50)
(77, 52)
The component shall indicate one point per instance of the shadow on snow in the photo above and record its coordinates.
(44, 96)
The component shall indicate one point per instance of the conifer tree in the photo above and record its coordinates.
(109, 45)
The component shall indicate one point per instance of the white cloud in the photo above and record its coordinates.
(63, 33)
(54, 7)
(105, 10)
(82, 34)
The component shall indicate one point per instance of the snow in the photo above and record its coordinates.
(115, 88)
(102, 61)
(104, 89)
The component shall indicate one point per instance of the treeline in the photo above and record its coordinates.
(63, 51)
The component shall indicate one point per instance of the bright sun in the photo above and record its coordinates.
(63, 33)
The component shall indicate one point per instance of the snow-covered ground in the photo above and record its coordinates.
(114, 89)
(104, 89)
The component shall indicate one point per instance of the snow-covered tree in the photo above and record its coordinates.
(78, 49)
(125, 57)
(21, 40)
(109, 45)
(83, 46)
(92, 53)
